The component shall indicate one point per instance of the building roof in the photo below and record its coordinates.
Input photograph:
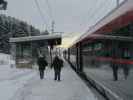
(35, 38)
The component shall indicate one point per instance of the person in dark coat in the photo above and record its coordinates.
(125, 66)
(115, 65)
(57, 65)
(42, 63)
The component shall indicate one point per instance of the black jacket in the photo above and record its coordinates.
(57, 63)
(42, 63)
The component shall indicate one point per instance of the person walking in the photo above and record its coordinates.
(42, 63)
(125, 66)
(114, 64)
(57, 64)
(114, 67)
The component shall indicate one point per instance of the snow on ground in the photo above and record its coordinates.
(69, 88)
(11, 79)
(24, 84)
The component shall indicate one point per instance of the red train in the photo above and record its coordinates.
(106, 49)
(114, 31)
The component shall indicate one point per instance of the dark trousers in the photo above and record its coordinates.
(41, 74)
(115, 71)
(125, 70)
(57, 75)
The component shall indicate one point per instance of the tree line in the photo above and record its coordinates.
(12, 27)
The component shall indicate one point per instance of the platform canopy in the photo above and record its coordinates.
(53, 39)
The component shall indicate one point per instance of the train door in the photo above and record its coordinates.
(79, 58)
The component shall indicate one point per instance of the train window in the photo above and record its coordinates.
(98, 46)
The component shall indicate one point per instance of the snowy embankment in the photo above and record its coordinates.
(12, 79)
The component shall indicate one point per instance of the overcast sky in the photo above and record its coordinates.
(69, 15)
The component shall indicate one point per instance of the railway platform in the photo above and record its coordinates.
(71, 87)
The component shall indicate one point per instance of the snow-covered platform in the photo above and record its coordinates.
(18, 84)
(70, 87)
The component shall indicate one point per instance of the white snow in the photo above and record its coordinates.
(11, 79)
(24, 84)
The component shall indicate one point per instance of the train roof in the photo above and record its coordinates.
(119, 17)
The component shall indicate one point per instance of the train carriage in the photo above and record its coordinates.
(116, 28)
(108, 43)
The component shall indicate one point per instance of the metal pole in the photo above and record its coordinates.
(51, 54)
(52, 30)
(51, 46)
(117, 3)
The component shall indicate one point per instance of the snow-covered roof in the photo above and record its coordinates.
(35, 38)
